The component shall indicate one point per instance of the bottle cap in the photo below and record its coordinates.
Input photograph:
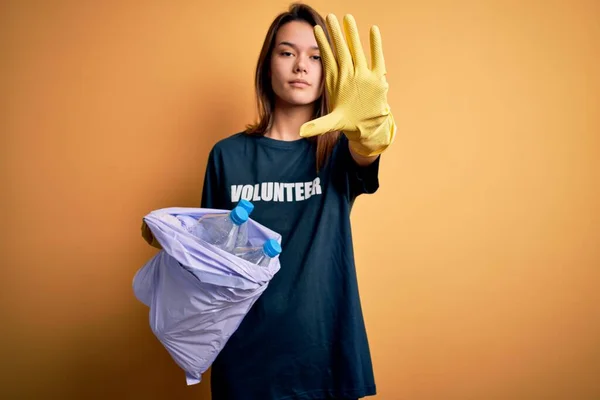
(246, 205)
(239, 215)
(272, 248)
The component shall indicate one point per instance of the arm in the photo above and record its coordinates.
(362, 161)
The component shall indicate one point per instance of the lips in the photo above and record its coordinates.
(299, 83)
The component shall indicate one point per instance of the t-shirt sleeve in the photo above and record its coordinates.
(361, 180)
(212, 190)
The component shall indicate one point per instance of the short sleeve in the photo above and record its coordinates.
(212, 190)
(361, 180)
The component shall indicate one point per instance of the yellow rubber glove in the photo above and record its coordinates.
(357, 93)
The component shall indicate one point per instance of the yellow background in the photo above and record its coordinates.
(478, 258)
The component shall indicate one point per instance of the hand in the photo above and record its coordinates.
(357, 93)
(149, 237)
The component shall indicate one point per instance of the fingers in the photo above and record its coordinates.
(344, 58)
(350, 53)
(377, 60)
(331, 122)
(353, 40)
(329, 63)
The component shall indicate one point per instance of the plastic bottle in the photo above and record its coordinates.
(259, 255)
(221, 230)
(187, 222)
(242, 240)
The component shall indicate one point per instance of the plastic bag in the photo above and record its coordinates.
(198, 294)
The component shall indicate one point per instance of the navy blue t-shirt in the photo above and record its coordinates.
(304, 338)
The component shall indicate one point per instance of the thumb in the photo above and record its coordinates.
(331, 122)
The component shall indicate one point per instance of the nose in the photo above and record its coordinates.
(301, 64)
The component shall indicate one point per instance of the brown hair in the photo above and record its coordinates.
(265, 95)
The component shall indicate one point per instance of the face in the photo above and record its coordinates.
(296, 70)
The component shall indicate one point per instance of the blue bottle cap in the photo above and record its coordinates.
(272, 248)
(239, 215)
(246, 205)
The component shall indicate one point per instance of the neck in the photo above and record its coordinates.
(287, 121)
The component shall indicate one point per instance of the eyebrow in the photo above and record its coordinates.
(284, 43)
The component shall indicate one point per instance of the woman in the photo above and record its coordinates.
(305, 337)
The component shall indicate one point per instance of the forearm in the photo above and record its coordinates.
(362, 160)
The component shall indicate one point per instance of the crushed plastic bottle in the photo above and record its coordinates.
(261, 255)
(221, 229)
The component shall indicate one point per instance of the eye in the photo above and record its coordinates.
(286, 53)
(316, 58)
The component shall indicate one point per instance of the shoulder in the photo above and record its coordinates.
(232, 142)
(232, 146)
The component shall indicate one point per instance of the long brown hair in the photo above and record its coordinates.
(265, 96)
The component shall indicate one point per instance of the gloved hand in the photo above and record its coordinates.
(357, 93)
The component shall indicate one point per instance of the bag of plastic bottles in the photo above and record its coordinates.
(199, 293)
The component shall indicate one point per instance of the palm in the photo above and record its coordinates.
(358, 94)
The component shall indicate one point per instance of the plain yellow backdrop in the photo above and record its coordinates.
(478, 258)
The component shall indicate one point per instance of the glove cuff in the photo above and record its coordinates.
(377, 142)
